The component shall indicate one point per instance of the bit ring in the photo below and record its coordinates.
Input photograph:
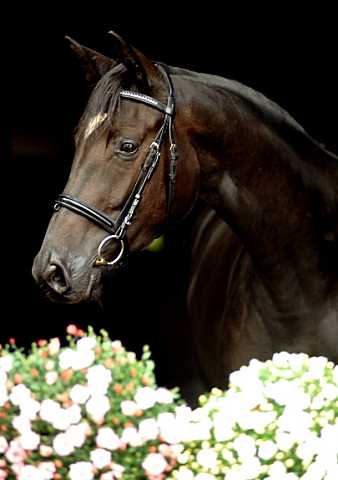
(100, 260)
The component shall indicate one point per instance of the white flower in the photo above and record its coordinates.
(277, 469)
(29, 472)
(98, 405)
(317, 365)
(19, 394)
(284, 441)
(3, 444)
(63, 419)
(86, 343)
(77, 434)
(128, 407)
(66, 358)
(335, 374)
(247, 379)
(62, 444)
(185, 474)
(164, 395)
(295, 421)
(204, 476)
(79, 394)
(15, 453)
(145, 397)
(164, 419)
(245, 446)
(99, 378)
(185, 414)
(49, 410)
(3, 395)
(297, 361)
(76, 360)
(329, 435)
(30, 408)
(29, 440)
(199, 430)
(250, 468)
(51, 377)
(281, 360)
(107, 438)
(332, 473)
(317, 402)
(223, 424)
(54, 346)
(100, 457)
(131, 436)
(82, 359)
(315, 471)
(284, 392)
(174, 432)
(267, 450)
(81, 471)
(330, 392)
(3, 377)
(154, 464)
(207, 458)
(305, 451)
(6, 363)
(253, 420)
(148, 429)
(74, 413)
(116, 346)
(47, 470)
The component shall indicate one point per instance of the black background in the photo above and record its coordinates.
(289, 55)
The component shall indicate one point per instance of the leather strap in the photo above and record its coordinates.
(88, 211)
(152, 102)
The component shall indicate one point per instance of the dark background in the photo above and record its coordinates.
(290, 56)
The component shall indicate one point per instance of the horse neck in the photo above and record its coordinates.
(274, 186)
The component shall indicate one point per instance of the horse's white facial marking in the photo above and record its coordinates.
(94, 123)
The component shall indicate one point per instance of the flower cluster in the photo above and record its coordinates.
(93, 411)
(82, 412)
(277, 421)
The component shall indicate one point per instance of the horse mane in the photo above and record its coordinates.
(320, 167)
(104, 100)
(267, 110)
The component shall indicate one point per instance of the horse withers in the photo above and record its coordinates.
(264, 269)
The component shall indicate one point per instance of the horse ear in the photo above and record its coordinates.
(95, 64)
(137, 63)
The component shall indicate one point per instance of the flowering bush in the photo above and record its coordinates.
(278, 421)
(93, 411)
(87, 411)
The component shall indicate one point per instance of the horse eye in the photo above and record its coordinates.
(128, 148)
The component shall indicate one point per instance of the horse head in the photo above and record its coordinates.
(117, 168)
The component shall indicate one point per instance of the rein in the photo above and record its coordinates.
(117, 228)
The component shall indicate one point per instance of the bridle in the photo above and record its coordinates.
(117, 228)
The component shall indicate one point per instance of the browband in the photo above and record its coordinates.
(152, 102)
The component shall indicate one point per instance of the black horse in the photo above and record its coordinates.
(264, 270)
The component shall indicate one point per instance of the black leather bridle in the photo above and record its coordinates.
(117, 228)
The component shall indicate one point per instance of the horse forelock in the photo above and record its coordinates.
(103, 102)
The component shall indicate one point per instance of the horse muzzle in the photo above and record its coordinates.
(67, 279)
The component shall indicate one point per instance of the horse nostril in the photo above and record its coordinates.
(56, 278)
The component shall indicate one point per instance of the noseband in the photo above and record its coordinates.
(117, 228)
